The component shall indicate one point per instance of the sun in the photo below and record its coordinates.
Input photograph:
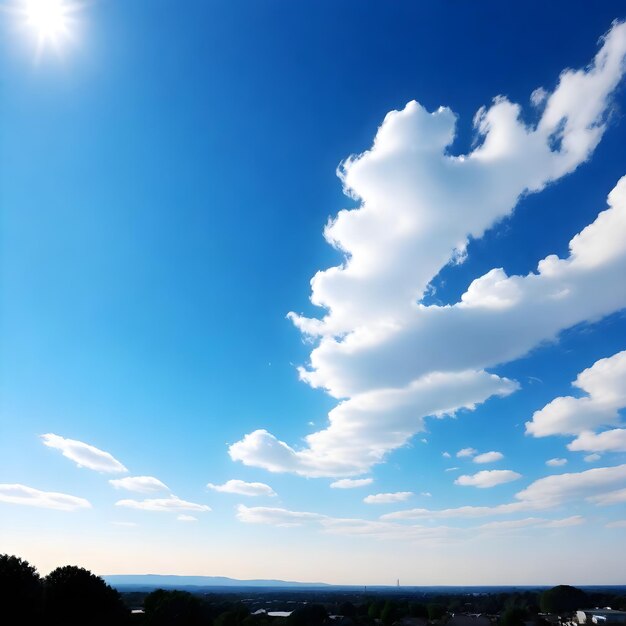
(50, 22)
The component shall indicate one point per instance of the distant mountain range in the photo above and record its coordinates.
(156, 580)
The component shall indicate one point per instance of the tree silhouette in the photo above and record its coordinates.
(21, 591)
(562, 599)
(76, 597)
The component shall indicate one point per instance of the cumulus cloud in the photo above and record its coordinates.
(466, 452)
(551, 491)
(29, 496)
(604, 386)
(186, 518)
(172, 504)
(487, 478)
(556, 462)
(446, 455)
(83, 454)
(613, 440)
(592, 458)
(489, 457)
(351, 483)
(383, 352)
(243, 488)
(387, 498)
(139, 484)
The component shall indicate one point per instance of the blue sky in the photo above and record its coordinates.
(167, 176)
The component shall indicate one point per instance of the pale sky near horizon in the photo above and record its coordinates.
(319, 291)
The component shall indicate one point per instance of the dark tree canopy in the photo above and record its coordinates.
(21, 590)
(562, 599)
(514, 616)
(165, 608)
(76, 597)
(308, 615)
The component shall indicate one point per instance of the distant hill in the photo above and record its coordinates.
(156, 580)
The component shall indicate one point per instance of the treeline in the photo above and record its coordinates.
(73, 596)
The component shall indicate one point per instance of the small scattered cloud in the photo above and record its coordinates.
(83, 454)
(387, 498)
(452, 469)
(29, 496)
(186, 518)
(556, 462)
(426, 494)
(172, 504)
(489, 457)
(466, 453)
(139, 484)
(446, 455)
(487, 478)
(243, 488)
(592, 458)
(594, 485)
(351, 483)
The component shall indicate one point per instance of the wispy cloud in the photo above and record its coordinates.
(351, 483)
(243, 488)
(387, 498)
(466, 452)
(593, 485)
(83, 454)
(29, 496)
(186, 518)
(556, 462)
(139, 484)
(171, 504)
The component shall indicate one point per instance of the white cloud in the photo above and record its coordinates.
(604, 385)
(487, 478)
(387, 498)
(608, 441)
(466, 452)
(393, 360)
(274, 516)
(544, 493)
(365, 428)
(172, 504)
(534, 522)
(186, 518)
(556, 462)
(139, 484)
(489, 457)
(243, 488)
(446, 455)
(612, 497)
(592, 458)
(29, 496)
(351, 483)
(83, 454)
(451, 469)
(426, 494)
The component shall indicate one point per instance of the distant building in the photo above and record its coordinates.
(601, 616)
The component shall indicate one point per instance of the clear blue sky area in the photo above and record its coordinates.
(166, 173)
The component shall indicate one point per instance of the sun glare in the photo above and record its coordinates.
(49, 21)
